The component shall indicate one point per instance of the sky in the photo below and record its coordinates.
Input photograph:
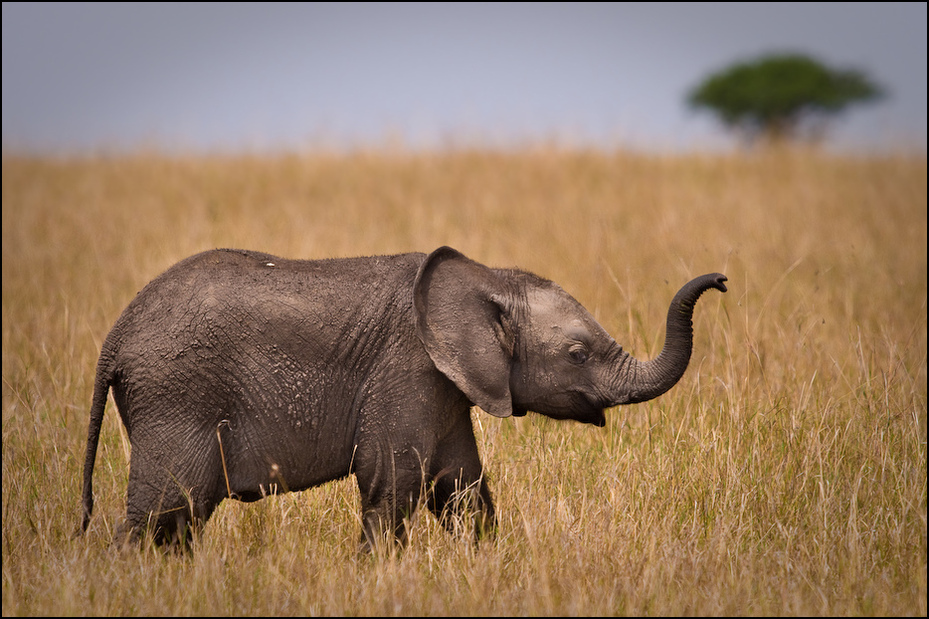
(83, 77)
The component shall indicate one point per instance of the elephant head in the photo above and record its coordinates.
(514, 342)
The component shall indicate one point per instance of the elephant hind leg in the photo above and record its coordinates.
(177, 526)
(174, 527)
(169, 509)
(167, 521)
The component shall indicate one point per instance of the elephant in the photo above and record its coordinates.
(238, 374)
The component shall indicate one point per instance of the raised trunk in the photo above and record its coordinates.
(649, 379)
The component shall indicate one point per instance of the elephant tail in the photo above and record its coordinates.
(102, 382)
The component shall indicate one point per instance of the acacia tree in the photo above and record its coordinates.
(784, 96)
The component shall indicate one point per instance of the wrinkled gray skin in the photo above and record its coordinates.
(238, 374)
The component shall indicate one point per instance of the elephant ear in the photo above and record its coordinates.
(462, 319)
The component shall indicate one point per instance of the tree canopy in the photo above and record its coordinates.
(781, 96)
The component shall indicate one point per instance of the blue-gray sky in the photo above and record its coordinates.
(213, 75)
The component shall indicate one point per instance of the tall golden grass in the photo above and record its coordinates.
(785, 474)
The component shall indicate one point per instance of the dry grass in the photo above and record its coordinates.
(785, 474)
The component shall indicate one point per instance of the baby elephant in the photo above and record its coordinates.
(238, 374)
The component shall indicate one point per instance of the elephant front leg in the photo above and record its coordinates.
(463, 505)
(388, 500)
(459, 496)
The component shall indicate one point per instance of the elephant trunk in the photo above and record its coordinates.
(644, 380)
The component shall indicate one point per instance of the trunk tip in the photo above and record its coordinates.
(718, 279)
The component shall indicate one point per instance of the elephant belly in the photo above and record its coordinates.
(285, 457)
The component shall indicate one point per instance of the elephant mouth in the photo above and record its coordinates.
(595, 417)
(575, 407)
(588, 409)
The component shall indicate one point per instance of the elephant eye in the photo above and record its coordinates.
(578, 354)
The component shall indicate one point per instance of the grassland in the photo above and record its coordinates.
(785, 474)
